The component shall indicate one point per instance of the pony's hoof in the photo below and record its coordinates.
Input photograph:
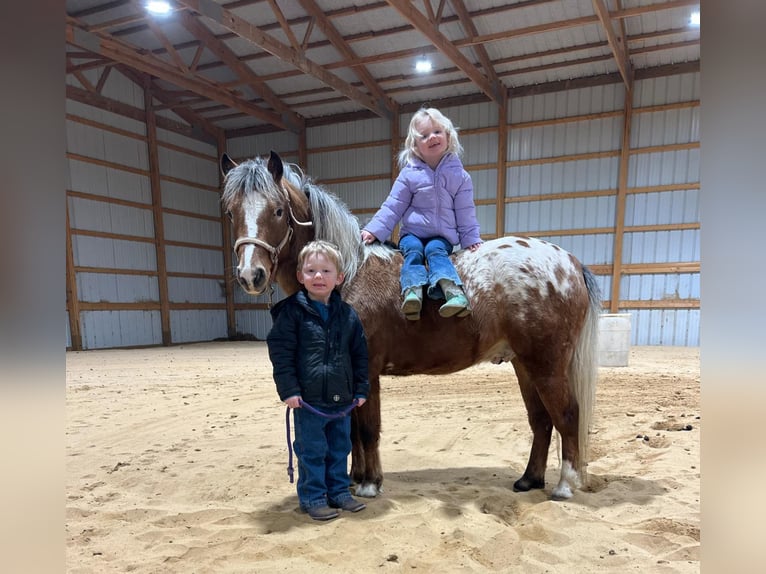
(561, 492)
(526, 484)
(367, 490)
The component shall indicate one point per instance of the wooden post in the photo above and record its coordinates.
(231, 318)
(159, 227)
(502, 153)
(622, 190)
(303, 154)
(395, 137)
(72, 297)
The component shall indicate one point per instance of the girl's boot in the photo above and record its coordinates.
(413, 301)
(457, 302)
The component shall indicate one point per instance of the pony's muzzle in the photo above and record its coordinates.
(253, 280)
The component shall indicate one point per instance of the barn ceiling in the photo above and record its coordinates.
(250, 66)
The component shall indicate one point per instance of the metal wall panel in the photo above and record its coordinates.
(117, 288)
(663, 168)
(181, 165)
(113, 253)
(479, 148)
(660, 208)
(197, 325)
(660, 286)
(105, 329)
(193, 260)
(346, 133)
(192, 199)
(192, 230)
(186, 142)
(354, 162)
(256, 323)
(484, 183)
(361, 194)
(665, 127)
(260, 145)
(661, 246)
(105, 117)
(120, 88)
(109, 182)
(110, 217)
(195, 290)
(666, 90)
(665, 327)
(597, 99)
(590, 249)
(562, 177)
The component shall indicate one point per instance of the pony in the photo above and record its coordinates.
(534, 305)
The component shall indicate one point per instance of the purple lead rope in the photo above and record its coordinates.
(311, 409)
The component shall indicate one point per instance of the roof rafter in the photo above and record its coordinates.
(252, 33)
(619, 50)
(193, 24)
(481, 52)
(425, 27)
(119, 52)
(346, 52)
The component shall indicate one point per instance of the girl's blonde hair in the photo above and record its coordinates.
(438, 118)
(321, 247)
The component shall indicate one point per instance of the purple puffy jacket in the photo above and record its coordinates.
(430, 203)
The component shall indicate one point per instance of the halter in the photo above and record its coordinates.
(274, 251)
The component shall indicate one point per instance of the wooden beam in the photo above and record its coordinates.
(502, 158)
(622, 187)
(72, 296)
(159, 227)
(98, 101)
(648, 8)
(231, 318)
(242, 70)
(125, 54)
(471, 32)
(615, 45)
(194, 120)
(495, 91)
(252, 33)
(340, 44)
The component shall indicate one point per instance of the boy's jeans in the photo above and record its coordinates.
(322, 447)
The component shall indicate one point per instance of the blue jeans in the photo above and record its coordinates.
(322, 447)
(435, 252)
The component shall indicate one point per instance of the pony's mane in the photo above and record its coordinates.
(332, 219)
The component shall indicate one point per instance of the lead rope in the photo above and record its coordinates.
(311, 409)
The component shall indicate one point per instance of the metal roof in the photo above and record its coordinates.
(262, 65)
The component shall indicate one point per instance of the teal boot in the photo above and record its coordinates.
(413, 301)
(457, 302)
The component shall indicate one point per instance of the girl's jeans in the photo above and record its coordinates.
(322, 447)
(435, 252)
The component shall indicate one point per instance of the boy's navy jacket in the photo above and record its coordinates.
(323, 362)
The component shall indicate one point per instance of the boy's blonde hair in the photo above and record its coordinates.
(438, 118)
(321, 247)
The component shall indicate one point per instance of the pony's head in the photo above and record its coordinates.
(275, 210)
(257, 198)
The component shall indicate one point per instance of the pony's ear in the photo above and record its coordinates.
(276, 169)
(227, 164)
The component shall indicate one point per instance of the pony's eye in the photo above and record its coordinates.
(279, 212)
(229, 215)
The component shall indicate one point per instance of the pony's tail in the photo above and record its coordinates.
(583, 371)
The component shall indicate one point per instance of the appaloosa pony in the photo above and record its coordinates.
(534, 305)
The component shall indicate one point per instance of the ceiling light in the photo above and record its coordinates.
(423, 65)
(158, 6)
(694, 19)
